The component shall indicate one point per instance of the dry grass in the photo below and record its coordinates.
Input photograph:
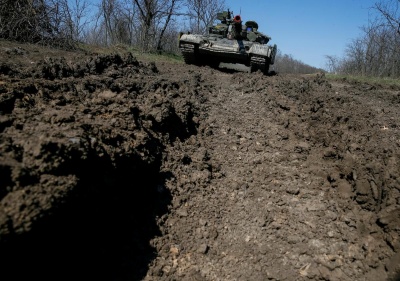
(380, 81)
(120, 49)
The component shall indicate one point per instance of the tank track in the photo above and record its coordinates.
(259, 63)
(188, 53)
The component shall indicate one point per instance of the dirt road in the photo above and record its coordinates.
(116, 168)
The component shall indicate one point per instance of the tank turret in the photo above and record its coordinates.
(221, 28)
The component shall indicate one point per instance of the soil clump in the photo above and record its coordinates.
(114, 167)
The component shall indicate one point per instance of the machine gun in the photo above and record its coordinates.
(224, 28)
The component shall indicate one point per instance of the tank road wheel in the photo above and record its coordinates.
(265, 67)
(189, 58)
(189, 53)
(211, 62)
(253, 66)
(259, 63)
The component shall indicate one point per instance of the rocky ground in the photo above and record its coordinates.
(114, 167)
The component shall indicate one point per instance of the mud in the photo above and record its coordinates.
(114, 167)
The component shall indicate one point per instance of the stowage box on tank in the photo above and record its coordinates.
(229, 41)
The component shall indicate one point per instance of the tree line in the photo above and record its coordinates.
(376, 52)
(148, 25)
(285, 63)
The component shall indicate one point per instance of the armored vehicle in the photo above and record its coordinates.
(229, 41)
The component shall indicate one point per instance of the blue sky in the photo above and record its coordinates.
(308, 29)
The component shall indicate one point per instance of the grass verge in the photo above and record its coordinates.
(380, 81)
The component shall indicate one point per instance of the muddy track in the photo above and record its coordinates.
(115, 168)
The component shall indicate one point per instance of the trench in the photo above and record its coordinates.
(101, 233)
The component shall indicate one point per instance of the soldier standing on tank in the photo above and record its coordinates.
(237, 28)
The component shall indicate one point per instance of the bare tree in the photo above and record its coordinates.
(377, 51)
(389, 10)
(33, 21)
(332, 64)
(147, 24)
(167, 19)
(128, 14)
(202, 13)
(285, 63)
(114, 22)
(147, 11)
(169, 41)
(108, 8)
(75, 15)
(155, 16)
(20, 19)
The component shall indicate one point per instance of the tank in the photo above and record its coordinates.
(229, 41)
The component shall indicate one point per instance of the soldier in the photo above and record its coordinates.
(237, 27)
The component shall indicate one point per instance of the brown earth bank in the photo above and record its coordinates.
(114, 167)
